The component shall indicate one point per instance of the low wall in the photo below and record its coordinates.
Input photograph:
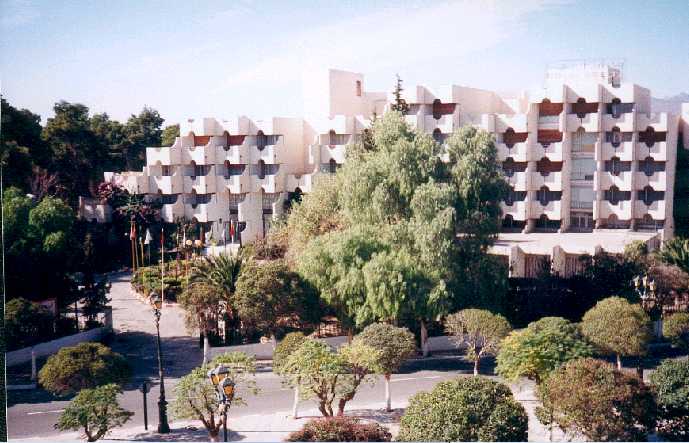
(264, 351)
(51, 347)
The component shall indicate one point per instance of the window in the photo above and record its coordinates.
(358, 88)
(545, 166)
(261, 140)
(509, 167)
(616, 137)
(615, 166)
(168, 170)
(584, 141)
(583, 168)
(545, 196)
(615, 196)
(616, 108)
(650, 167)
(261, 169)
(332, 166)
(514, 196)
(582, 197)
(437, 135)
(649, 196)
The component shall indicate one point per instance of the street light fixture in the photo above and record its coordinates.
(646, 288)
(163, 426)
(224, 386)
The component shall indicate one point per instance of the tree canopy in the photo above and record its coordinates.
(671, 384)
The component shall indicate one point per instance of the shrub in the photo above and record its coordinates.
(26, 324)
(580, 397)
(340, 429)
(465, 409)
(96, 411)
(671, 384)
(85, 365)
(287, 345)
(676, 329)
(541, 348)
(617, 327)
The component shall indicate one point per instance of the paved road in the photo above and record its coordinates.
(33, 413)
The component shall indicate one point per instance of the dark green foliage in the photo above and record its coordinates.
(290, 343)
(340, 429)
(681, 194)
(395, 344)
(591, 398)
(465, 409)
(95, 411)
(676, 252)
(169, 134)
(27, 324)
(85, 365)
(676, 329)
(671, 384)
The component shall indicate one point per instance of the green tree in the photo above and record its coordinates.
(400, 104)
(266, 292)
(617, 327)
(676, 329)
(141, 131)
(671, 384)
(85, 365)
(580, 395)
(395, 346)
(479, 330)
(363, 360)
(541, 348)
(26, 323)
(111, 136)
(195, 398)
(170, 133)
(675, 252)
(203, 305)
(290, 343)
(317, 370)
(464, 409)
(95, 411)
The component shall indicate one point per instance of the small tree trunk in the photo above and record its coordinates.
(476, 363)
(619, 362)
(295, 404)
(424, 339)
(206, 348)
(214, 435)
(350, 335)
(273, 340)
(340, 406)
(388, 402)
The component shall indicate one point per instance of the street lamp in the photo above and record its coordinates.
(163, 427)
(224, 386)
(646, 288)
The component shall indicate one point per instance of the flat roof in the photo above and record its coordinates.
(542, 243)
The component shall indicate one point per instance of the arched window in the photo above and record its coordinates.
(332, 135)
(614, 195)
(437, 135)
(613, 221)
(261, 169)
(648, 166)
(616, 108)
(508, 138)
(333, 166)
(649, 136)
(261, 140)
(647, 220)
(358, 88)
(508, 167)
(616, 137)
(543, 195)
(581, 102)
(615, 166)
(436, 109)
(227, 140)
(226, 169)
(508, 221)
(647, 195)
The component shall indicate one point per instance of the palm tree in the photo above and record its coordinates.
(216, 274)
(676, 252)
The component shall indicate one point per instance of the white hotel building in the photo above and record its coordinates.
(590, 166)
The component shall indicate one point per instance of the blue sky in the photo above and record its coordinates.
(213, 58)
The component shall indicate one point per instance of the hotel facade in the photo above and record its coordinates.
(590, 166)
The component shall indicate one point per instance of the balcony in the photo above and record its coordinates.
(517, 210)
(658, 151)
(605, 180)
(656, 209)
(171, 212)
(590, 122)
(167, 184)
(658, 181)
(480, 121)
(201, 155)
(202, 212)
(265, 148)
(625, 122)
(657, 121)
(237, 154)
(553, 210)
(202, 184)
(625, 152)
(303, 182)
(518, 122)
(622, 210)
(445, 123)
(552, 151)
(518, 180)
(134, 182)
(549, 122)
(164, 155)
(333, 152)
(519, 152)
(236, 184)
(553, 181)
(270, 184)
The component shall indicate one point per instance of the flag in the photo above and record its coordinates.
(132, 231)
(149, 239)
(232, 230)
(224, 234)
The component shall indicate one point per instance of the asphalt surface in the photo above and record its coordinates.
(34, 413)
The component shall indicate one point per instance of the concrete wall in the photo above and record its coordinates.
(49, 348)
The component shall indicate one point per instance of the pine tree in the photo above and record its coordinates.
(400, 104)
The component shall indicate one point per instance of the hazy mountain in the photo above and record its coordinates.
(669, 104)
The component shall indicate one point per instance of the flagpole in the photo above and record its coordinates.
(162, 265)
(131, 243)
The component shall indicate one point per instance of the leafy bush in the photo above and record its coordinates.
(465, 409)
(671, 384)
(340, 429)
(147, 279)
(26, 324)
(676, 329)
(95, 411)
(580, 398)
(85, 365)
(284, 349)
(541, 348)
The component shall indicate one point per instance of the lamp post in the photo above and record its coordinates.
(163, 427)
(224, 386)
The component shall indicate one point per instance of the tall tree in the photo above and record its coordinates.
(400, 104)
(169, 134)
(142, 131)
